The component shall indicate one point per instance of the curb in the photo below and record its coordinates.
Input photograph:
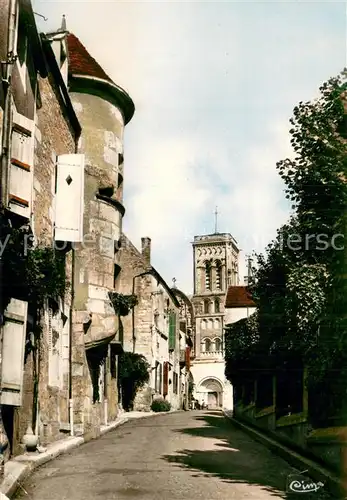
(315, 471)
(19, 468)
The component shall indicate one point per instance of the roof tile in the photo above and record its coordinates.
(81, 62)
(239, 296)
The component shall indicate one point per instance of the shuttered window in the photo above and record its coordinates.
(172, 331)
(55, 349)
(69, 198)
(166, 379)
(12, 367)
(20, 178)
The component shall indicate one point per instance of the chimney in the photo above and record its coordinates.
(146, 249)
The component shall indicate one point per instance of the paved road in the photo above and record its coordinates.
(187, 455)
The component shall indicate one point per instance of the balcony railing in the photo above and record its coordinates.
(212, 354)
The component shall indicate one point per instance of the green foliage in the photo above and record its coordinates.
(123, 303)
(159, 405)
(299, 283)
(30, 273)
(133, 374)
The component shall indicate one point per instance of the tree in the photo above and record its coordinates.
(133, 374)
(300, 287)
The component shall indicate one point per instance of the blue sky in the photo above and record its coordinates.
(214, 85)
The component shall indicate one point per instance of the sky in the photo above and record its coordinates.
(214, 86)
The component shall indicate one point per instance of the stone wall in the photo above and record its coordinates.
(95, 321)
(53, 136)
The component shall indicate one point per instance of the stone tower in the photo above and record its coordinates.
(103, 110)
(215, 269)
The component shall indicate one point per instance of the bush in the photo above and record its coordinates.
(160, 405)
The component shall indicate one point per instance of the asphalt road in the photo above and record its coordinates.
(195, 455)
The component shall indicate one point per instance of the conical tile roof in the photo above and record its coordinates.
(81, 62)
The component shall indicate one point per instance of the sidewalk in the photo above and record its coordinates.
(19, 468)
(314, 470)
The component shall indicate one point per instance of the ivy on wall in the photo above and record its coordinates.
(123, 304)
(29, 273)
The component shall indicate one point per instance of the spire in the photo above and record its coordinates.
(215, 221)
(63, 24)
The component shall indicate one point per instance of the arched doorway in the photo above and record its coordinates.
(211, 392)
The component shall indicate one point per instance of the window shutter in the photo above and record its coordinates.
(69, 198)
(20, 178)
(166, 379)
(188, 358)
(172, 331)
(160, 378)
(14, 335)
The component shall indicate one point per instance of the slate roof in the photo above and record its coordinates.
(239, 296)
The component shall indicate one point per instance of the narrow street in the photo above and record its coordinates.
(184, 455)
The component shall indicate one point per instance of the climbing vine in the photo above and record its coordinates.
(30, 273)
(123, 304)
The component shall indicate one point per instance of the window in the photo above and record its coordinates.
(218, 275)
(20, 172)
(13, 342)
(54, 350)
(206, 306)
(208, 272)
(175, 383)
(216, 306)
(69, 198)
(203, 324)
(218, 345)
(207, 345)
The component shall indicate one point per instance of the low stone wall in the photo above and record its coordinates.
(327, 446)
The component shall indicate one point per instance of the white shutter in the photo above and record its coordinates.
(54, 349)
(20, 181)
(14, 335)
(69, 198)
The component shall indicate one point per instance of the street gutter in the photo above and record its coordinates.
(333, 483)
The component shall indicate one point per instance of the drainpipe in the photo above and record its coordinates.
(133, 310)
(71, 409)
(72, 307)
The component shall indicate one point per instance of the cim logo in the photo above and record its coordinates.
(297, 483)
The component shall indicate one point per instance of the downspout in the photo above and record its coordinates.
(72, 307)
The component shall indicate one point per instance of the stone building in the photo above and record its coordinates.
(152, 329)
(103, 109)
(187, 336)
(215, 259)
(23, 63)
(65, 188)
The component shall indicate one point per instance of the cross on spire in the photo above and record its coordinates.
(215, 220)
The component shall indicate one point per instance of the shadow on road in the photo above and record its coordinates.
(234, 457)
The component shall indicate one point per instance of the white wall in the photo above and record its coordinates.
(234, 314)
(213, 370)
